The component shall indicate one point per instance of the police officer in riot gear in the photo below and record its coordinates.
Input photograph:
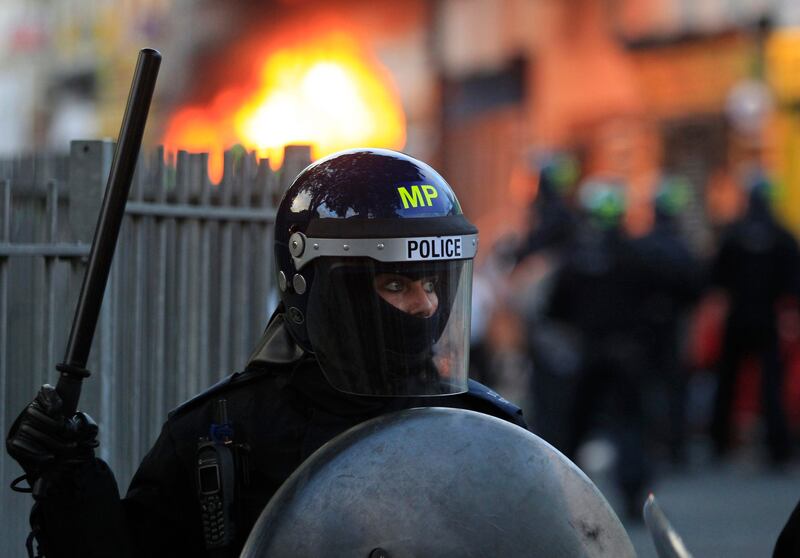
(599, 290)
(374, 263)
(756, 265)
(553, 220)
(674, 280)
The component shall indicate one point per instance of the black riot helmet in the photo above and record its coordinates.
(374, 262)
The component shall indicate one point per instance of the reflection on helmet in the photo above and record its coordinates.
(359, 216)
(438, 482)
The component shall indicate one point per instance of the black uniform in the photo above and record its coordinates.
(756, 265)
(283, 412)
(673, 283)
(599, 291)
(374, 266)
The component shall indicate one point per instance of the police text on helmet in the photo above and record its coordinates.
(443, 247)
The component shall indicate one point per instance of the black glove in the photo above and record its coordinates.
(42, 439)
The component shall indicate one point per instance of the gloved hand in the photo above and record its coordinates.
(42, 439)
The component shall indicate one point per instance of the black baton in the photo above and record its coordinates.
(73, 368)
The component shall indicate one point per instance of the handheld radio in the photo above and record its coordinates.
(216, 482)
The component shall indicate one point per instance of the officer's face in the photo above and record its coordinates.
(416, 297)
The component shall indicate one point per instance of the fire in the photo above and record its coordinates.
(328, 93)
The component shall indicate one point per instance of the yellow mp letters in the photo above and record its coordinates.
(419, 195)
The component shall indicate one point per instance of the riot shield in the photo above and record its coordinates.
(438, 482)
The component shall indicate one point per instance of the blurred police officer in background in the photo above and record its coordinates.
(552, 220)
(550, 345)
(674, 280)
(599, 291)
(374, 263)
(756, 265)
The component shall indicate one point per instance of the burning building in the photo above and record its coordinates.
(314, 84)
(475, 86)
(303, 73)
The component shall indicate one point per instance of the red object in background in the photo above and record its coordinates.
(27, 38)
(705, 344)
(746, 396)
(793, 391)
(747, 402)
(705, 333)
(790, 345)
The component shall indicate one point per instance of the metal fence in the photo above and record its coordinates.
(188, 294)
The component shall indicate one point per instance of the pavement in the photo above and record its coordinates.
(730, 509)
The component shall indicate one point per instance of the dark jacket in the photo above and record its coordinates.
(283, 412)
(757, 263)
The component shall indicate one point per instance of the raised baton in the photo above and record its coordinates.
(73, 368)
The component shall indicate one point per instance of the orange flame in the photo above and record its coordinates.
(327, 93)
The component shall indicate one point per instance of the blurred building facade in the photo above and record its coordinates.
(632, 87)
(65, 66)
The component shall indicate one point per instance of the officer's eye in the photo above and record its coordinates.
(429, 284)
(390, 283)
(393, 286)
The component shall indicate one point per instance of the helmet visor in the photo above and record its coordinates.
(391, 329)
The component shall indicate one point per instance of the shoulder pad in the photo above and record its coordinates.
(235, 379)
(508, 410)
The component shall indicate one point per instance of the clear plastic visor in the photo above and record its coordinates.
(392, 329)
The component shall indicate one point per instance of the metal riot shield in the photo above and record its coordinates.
(437, 482)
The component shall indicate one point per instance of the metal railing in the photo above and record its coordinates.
(189, 292)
